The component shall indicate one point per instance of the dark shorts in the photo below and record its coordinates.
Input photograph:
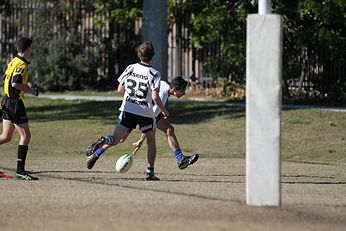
(159, 117)
(130, 121)
(13, 110)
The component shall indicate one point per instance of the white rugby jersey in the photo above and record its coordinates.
(164, 88)
(139, 81)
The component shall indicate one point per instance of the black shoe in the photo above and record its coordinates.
(94, 146)
(24, 176)
(152, 177)
(91, 161)
(187, 160)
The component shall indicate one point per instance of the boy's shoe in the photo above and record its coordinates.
(24, 176)
(94, 146)
(151, 177)
(187, 160)
(92, 160)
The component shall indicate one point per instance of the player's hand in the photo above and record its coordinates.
(35, 92)
(136, 146)
(165, 114)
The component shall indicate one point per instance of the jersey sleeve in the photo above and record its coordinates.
(124, 75)
(18, 73)
(163, 93)
(18, 78)
(155, 81)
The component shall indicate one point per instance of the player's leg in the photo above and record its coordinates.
(6, 136)
(7, 131)
(8, 115)
(112, 140)
(168, 129)
(108, 141)
(182, 160)
(151, 154)
(122, 140)
(24, 133)
(25, 136)
(147, 127)
(102, 141)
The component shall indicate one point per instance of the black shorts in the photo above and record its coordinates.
(130, 121)
(13, 110)
(159, 117)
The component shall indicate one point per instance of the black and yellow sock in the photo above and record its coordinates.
(22, 151)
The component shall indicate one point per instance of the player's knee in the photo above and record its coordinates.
(26, 137)
(151, 143)
(170, 131)
(6, 139)
(150, 138)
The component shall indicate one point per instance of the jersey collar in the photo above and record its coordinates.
(143, 64)
(23, 59)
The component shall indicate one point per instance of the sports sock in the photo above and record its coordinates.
(22, 151)
(109, 140)
(150, 171)
(178, 155)
(100, 151)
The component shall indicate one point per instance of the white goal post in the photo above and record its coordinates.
(263, 109)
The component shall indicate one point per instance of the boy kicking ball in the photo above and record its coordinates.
(141, 87)
(177, 88)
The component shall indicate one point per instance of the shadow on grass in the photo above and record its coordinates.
(199, 112)
(180, 113)
(73, 110)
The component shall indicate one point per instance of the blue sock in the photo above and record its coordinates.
(99, 151)
(109, 140)
(178, 155)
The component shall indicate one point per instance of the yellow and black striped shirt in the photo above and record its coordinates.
(17, 72)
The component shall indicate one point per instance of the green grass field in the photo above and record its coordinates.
(62, 127)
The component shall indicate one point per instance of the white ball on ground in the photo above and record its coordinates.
(124, 163)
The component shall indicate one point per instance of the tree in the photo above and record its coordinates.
(215, 30)
(314, 39)
(60, 61)
(217, 22)
(314, 45)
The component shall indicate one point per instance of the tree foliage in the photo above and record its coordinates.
(314, 32)
(70, 60)
(123, 12)
(60, 61)
(313, 47)
(217, 21)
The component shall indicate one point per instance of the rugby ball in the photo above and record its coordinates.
(124, 163)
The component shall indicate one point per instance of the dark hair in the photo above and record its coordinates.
(179, 83)
(22, 44)
(145, 51)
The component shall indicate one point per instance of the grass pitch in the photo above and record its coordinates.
(213, 130)
(206, 196)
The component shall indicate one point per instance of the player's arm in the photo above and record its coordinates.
(121, 89)
(122, 78)
(22, 87)
(157, 100)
